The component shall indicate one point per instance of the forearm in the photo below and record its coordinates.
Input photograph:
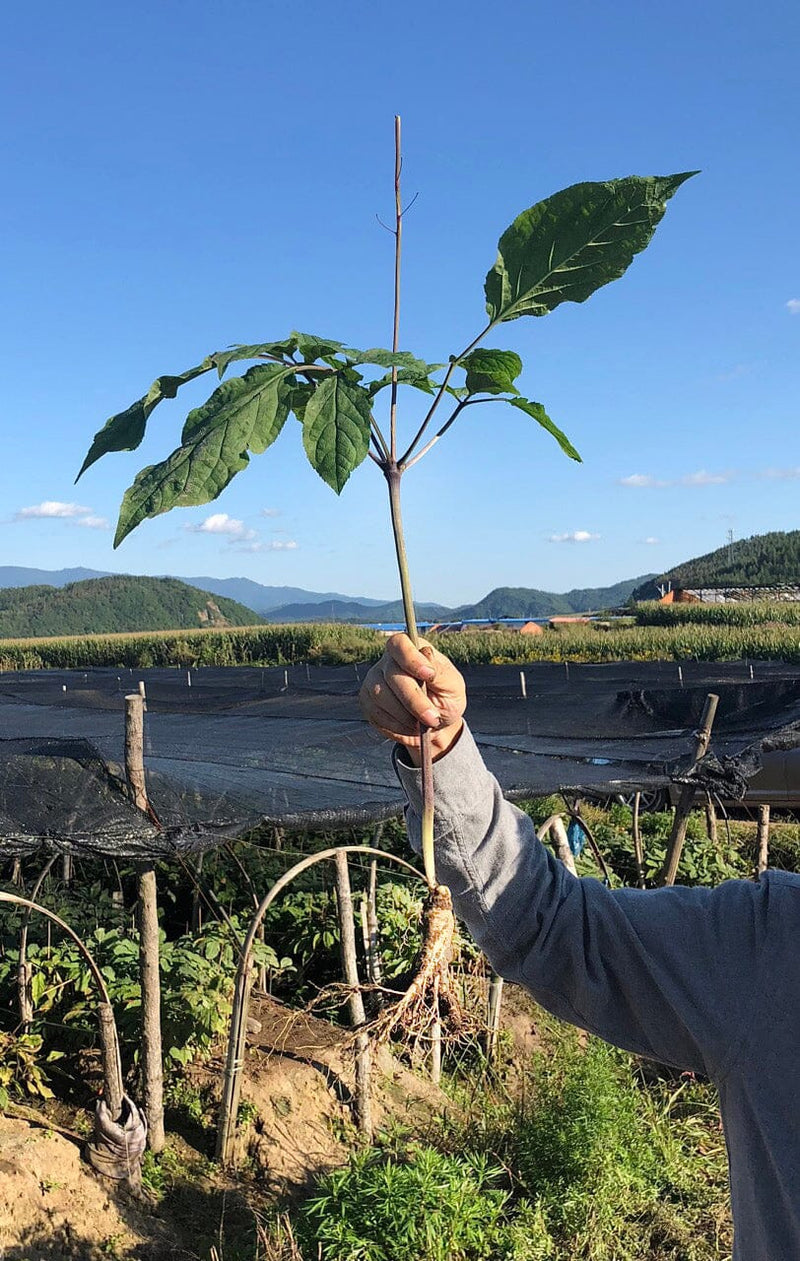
(666, 973)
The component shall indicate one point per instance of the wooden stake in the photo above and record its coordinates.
(347, 937)
(197, 906)
(147, 922)
(493, 1014)
(684, 807)
(763, 840)
(554, 827)
(711, 821)
(638, 851)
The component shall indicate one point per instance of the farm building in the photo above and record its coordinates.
(521, 628)
(787, 593)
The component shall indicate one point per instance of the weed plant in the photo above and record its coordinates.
(584, 1161)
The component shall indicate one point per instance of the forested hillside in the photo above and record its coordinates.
(528, 602)
(107, 605)
(764, 560)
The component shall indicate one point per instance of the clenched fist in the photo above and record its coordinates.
(392, 699)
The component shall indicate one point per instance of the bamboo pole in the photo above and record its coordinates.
(347, 941)
(374, 970)
(684, 807)
(234, 1063)
(147, 921)
(24, 969)
(109, 1042)
(763, 840)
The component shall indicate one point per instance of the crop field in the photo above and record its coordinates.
(733, 613)
(667, 633)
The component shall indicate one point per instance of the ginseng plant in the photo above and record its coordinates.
(560, 250)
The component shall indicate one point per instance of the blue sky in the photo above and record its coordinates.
(182, 176)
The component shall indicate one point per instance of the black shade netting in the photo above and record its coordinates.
(226, 749)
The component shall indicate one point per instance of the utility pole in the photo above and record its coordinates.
(730, 546)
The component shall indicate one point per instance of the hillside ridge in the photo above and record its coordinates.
(762, 560)
(110, 605)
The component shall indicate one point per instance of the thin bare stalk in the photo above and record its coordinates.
(398, 249)
(393, 476)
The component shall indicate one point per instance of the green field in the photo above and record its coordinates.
(676, 633)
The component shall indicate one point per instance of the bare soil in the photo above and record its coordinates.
(296, 1123)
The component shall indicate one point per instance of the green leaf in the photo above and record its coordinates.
(491, 371)
(336, 429)
(393, 359)
(308, 345)
(565, 247)
(246, 413)
(418, 376)
(125, 431)
(541, 417)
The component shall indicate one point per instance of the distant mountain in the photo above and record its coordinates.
(352, 611)
(528, 602)
(254, 595)
(263, 599)
(113, 604)
(502, 602)
(19, 576)
(763, 560)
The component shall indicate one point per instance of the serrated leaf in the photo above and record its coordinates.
(246, 413)
(392, 359)
(491, 371)
(299, 395)
(336, 427)
(308, 345)
(408, 376)
(125, 431)
(567, 246)
(537, 411)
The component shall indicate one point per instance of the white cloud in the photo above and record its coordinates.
(651, 541)
(94, 523)
(51, 508)
(641, 479)
(279, 545)
(574, 536)
(703, 478)
(781, 474)
(221, 523)
(793, 306)
(270, 512)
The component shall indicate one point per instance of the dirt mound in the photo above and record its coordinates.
(52, 1206)
(297, 1096)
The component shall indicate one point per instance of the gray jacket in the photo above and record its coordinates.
(704, 979)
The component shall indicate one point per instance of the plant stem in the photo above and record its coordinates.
(398, 248)
(392, 474)
(440, 394)
(466, 402)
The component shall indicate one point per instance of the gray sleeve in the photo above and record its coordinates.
(670, 973)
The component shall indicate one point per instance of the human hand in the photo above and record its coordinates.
(392, 699)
